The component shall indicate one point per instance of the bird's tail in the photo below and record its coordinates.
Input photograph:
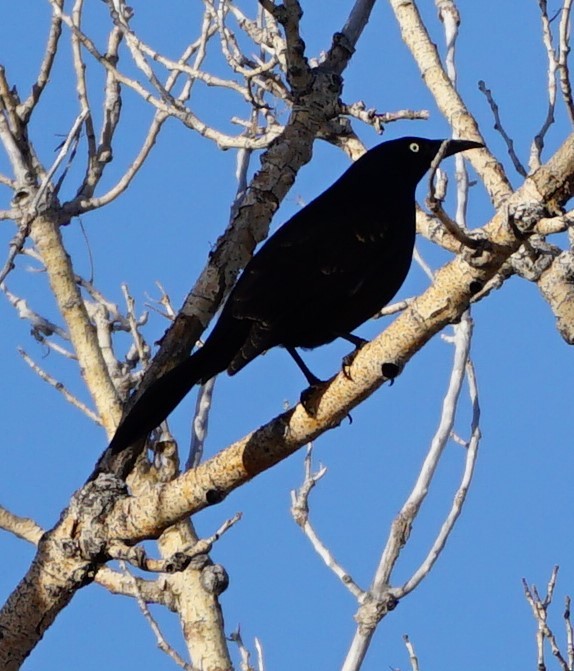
(163, 395)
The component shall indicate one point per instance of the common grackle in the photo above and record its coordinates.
(331, 267)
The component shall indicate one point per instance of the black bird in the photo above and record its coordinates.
(331, 267)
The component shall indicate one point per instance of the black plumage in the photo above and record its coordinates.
(331, 267)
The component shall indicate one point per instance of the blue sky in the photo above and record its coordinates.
(471, 610)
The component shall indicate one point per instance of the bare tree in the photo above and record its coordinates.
(280, 99)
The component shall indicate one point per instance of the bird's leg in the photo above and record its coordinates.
(353, 339)
(349, 358)
(313, 380)
(311, 396)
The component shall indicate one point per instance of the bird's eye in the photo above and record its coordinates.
(414, 147)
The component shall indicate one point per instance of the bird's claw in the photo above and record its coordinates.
(350, 357)
(311, 397)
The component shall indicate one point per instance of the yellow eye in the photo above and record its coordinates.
(414, 147)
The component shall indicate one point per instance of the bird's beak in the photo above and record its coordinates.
(456, 146)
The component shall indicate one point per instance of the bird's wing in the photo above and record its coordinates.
(315, 256)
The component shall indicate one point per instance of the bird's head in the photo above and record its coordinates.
(407, 159)
(416, 154)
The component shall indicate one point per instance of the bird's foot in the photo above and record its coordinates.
(311, 397)
(350, 357)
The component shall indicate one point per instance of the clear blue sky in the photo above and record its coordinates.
(470, 612)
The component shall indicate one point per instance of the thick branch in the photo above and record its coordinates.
(417, 39)
(47, 237)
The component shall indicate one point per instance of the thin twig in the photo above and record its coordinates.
(423, 265)
(80, 70)
(435, 198)
(393, 308)
(200, 423)
(300, 513)
(409, 510)
(170, 106)
(141, 346)
(15, 246)
(563, 54)
(259, 649)
(10, 134)
(41, 327)
(377, 120)
(538, 142)
(235, 637)
(569, 633)
(22, 527)
(412, 655)
(459, 497)
(58, 386)
(65, 148)
(27, 107)
(540, 611)
(162, 644)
